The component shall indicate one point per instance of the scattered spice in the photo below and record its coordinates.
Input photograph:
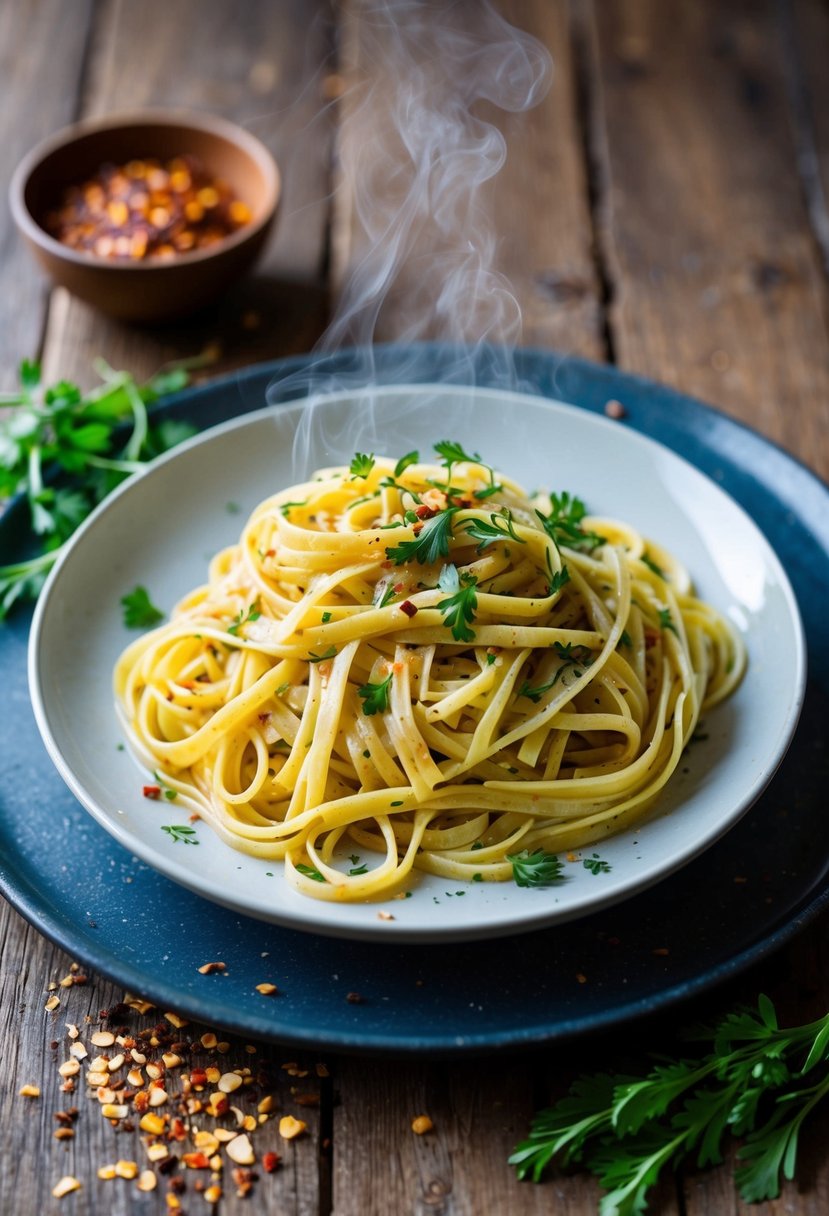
(146, 209)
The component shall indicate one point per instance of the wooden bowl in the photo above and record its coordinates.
(153, 289)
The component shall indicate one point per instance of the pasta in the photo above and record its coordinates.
(417, 666)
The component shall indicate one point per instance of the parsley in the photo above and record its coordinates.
(242, 618)
(756, 1081)
(558, 579)
(666, 620)
(180, 831)
(453, 453)
(651, 564)
(387, 596)
(404, 462)
(571, 656)
(431, 543)
(595, 865)
(320, 658)
(326, 617)
(500, 526)
(564, 524)
(79, 438)
(361, 465)
(460, 606)
(310, 872)
(375, 696)
(287, 506)
(139, 610)
(625, 638)
(536, 869)
(356, 871)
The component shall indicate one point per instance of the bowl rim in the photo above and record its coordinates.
(162, 116)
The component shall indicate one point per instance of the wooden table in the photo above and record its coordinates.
(663, 207)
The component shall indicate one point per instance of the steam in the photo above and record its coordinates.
(417, 256)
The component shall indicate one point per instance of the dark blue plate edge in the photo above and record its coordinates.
(614, 384)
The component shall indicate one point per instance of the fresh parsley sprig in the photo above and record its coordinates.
(431, 543)
(499, 527)
(362, 464)
(139, 610)
(757, 1081)
(60, 429)
(536, 869)
(564, 524)
(453, 453)
(461, 604)
(572, 656)
(375, 696)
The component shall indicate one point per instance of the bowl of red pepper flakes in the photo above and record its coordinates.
(147, 216)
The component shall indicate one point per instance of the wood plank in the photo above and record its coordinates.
(805, 37)
(40, 93)
(716, 286)
(264, 68)
(37, 1043)
(531, 224)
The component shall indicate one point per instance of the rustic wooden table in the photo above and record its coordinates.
(664, 208)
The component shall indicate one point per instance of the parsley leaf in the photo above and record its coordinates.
(651, 564)
(375, 696)
(320, 658)
(430, 544)
(499, 527)
(571, 655)
(595, 864)
(242, 618)
(536, 869)
(139, 610)
(751, 1083)
(564, 523)
(404, 462)
(666, 620)
(362, 464)
(180, 831)
(310, 872)
(460, 606)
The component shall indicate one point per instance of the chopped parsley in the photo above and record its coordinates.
(180, 831)
(564, 524)
(139, 610)
(431, 543)
(362, 464)
(462, 602)
(287, 506)
(572, 656)
(500, 526)
(320, 658)
(242, 618)
(651, 564)
(404, 462)
(595, 864)
(375, 696)
(309, 872)
(666, 620)
(536, 869)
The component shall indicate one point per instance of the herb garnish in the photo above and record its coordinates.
(180, 831)
(651, 564)
(499, 527)
(320, 658)
(563, 524)
(241, 618)
(536, 869)
(78, 435)
(666, 620)
(460, 607)
(362, 464)
(572, 655)
(310, 872)
(595, 864)
(375, 696)
(757, 1081)
(139, 610)
(404, 462)
(431, 543)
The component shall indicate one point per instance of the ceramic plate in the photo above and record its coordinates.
(160, 530)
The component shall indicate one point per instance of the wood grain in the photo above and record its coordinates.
(716, 286)
(537, 205)
(265, 69)
(42, 48)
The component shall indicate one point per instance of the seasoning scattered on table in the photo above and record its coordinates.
(146, 209)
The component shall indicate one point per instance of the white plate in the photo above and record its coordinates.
(161, 527)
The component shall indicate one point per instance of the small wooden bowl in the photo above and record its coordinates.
(154, 289)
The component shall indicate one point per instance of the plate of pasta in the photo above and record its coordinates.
(416, 687)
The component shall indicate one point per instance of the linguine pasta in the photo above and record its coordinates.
(424, 666)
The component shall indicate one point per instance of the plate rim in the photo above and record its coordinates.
(598, 384)
(522, 920)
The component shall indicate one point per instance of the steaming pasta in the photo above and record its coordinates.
(430, 682)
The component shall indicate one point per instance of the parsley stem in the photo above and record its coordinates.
(138, 437)
(117, 466)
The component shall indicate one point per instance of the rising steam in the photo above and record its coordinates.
(416, 253)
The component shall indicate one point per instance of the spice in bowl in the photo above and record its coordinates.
(147, 209)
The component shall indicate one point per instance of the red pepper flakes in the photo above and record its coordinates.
(424, 512)
(152, 791)
(146, 209)
(409, 608)
(270, 1162)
